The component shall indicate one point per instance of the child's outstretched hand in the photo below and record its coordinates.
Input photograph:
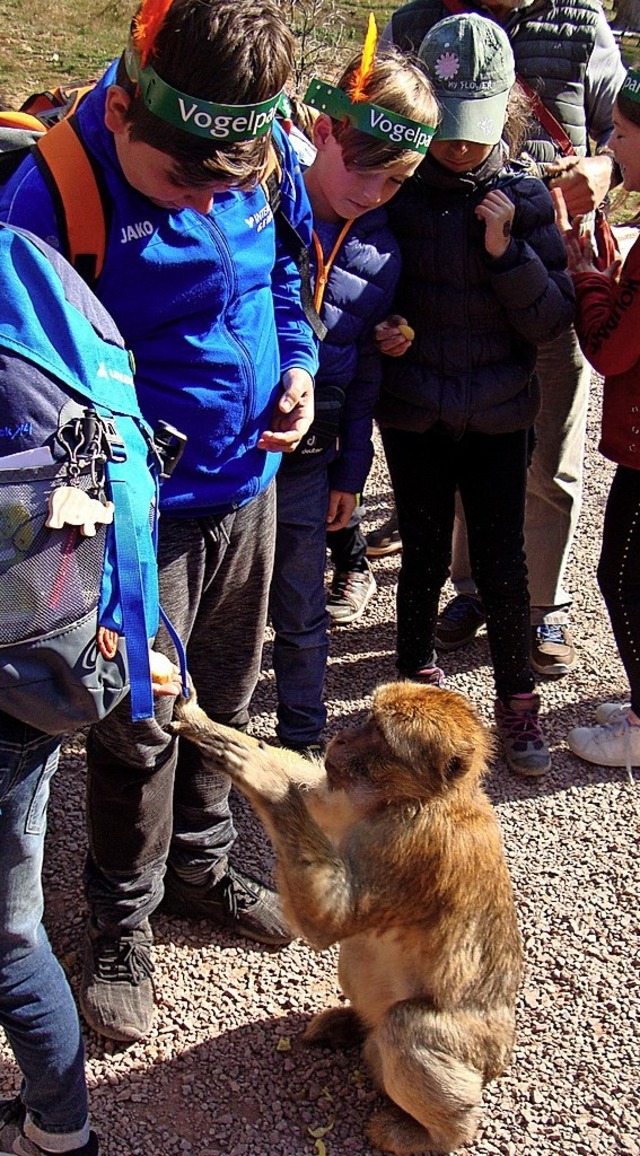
(393, 336)
(497, 212)
(581, 257)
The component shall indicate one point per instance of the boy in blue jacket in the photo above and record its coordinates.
(370, 135)
(180, 130)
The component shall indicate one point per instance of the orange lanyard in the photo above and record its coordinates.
(324, 267)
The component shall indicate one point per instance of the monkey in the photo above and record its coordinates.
(393, 850)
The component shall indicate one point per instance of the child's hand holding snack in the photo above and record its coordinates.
(394, 335)
(165, 676)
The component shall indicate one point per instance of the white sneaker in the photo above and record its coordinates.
(608, 711)
(616, 744)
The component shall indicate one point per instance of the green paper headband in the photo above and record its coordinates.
(370, 118)
(631, 85)
(223, 123)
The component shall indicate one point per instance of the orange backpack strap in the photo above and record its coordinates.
(21, 120)
(50, 107)
(80, 197)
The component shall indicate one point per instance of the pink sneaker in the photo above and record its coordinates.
(524, 744)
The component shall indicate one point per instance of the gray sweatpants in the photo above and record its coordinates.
(150, 797)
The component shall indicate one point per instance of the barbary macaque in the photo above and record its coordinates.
(393, 850)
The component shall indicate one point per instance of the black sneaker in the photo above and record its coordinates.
(351, 593)
(12, 1117)
(15, 1143)
(236, 902)
(116, 995)
(459, 622)
(386, 540)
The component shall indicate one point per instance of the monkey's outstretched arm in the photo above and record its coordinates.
(238, 754)
(315, 882)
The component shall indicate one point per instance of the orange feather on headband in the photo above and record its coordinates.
(146, 25)
(358, 86)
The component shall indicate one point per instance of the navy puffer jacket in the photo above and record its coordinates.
(359, 294)
(478, 320)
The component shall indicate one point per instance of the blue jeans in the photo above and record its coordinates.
(37, 1009)
(297, 600)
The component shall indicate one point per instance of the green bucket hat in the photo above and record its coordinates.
(469, 61)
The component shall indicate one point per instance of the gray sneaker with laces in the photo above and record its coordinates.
(386, 540)
(117, 997)
(351, 593)
(552, 650)
(13, 1116)
(459, 622)
(524, 744)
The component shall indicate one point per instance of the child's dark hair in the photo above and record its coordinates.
(228, 51)
(628, 108)
(396, 83)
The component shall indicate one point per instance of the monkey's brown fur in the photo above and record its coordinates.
(393, 849)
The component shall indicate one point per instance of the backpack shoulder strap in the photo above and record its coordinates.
(50, 107)
(79, 194)
(290, 238)
(546, 118)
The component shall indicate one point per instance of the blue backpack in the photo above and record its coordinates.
(72, 438)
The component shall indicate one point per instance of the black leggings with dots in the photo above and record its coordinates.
(619, 572)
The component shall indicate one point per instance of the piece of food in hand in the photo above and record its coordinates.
(407, 331)
(163, 669)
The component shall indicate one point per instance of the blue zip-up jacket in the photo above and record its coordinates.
(208, 306)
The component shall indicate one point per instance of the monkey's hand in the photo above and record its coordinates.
(261, 772)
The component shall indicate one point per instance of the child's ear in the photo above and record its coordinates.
(116, 109)
(322, 130)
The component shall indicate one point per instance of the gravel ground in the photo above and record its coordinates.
(222, 1073)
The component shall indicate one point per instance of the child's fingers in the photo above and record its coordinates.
(393, 336)
(560, 208)
(588, 251)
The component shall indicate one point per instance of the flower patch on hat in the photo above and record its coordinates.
(447, 66)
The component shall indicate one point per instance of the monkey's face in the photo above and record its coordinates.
(354, 755)
(418, 742)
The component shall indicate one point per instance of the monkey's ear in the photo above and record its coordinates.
(455, 768)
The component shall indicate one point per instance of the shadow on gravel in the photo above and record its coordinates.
(255, 1084)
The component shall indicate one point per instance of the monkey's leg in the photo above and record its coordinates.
(431, 1066)
(335, 1028)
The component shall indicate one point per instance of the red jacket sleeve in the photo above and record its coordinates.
(608, 317)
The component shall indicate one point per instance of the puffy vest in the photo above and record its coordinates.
(552, 44)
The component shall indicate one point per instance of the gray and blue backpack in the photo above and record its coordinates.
(71, 438)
